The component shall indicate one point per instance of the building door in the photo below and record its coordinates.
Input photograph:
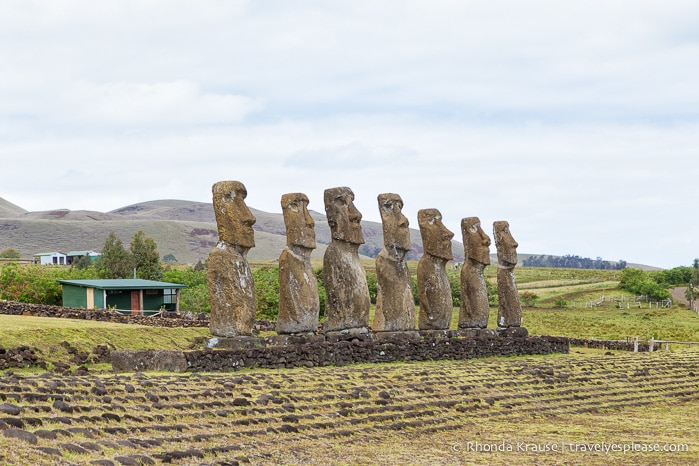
(135, 300)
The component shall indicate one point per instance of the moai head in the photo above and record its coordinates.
(476, 242)
(343, 217)
(505, 244)
(233, 217)
(396, 235)
(436, 238)
(299, 223)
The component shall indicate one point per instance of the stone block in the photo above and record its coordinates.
(435, 334)
(513, 332)
(298, 339)
(148, 360)
(235, 343)
(405, 335)
(357, 333)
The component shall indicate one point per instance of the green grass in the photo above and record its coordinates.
(46, 335)
(614, 324)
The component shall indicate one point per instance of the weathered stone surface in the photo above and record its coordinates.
(21, 435)
(8, 408)
(231, 286)
(356, 350)
(431, 334)
(509, 307)
(513, 332)
(239, 342)
(404, 335)
(395, 304)
(472, 333)
(298, 339)
(357, 333)
(148, 360)
(433, 285)
(347, 294)
(299, 304)
(474, 309)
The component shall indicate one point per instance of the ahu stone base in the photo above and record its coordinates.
(235, 343)
(344, 352)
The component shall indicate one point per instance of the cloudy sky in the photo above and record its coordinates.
(578, 122)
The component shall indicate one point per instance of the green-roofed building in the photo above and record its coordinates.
(123, 294)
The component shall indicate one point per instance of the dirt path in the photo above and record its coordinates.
(678, 295)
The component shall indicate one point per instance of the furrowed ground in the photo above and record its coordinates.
(442, 412)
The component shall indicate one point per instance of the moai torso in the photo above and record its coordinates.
(436, 303)
(299, 305)
(474, 308)
(347, 302)
(395, 304)
(509, 307)
(231, 286)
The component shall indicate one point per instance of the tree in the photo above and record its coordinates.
(10, 253)
(144, 252)
(169, 258)
(693, 288)
(82, 262)
(115, 261)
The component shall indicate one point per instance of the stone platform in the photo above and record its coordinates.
(338, 353)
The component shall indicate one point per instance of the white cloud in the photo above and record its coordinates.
(577, 122)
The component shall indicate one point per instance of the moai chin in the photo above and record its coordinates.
(432, 281)
(395, 304)
(347, 294)
(509, 308)
(231, 287)
(474, 309)
(299, 305)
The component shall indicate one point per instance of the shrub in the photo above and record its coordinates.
(267, 292)
(528, 298)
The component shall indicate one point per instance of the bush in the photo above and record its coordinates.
(644, 283)
(267, 292)
(528, 298)
(37, 284)
(560, 304)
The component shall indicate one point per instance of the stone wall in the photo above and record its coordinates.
(617, 345)
(21, 356)
(343, 353)
(169, 319)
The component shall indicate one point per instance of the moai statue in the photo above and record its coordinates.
(474, 292)
(347, 294)
(395, 305)
(299, 305)
(231, 287)
(509, 308)
(433, 285)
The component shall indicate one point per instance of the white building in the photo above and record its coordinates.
(50, 258)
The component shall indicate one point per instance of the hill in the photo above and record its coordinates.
(185, 229)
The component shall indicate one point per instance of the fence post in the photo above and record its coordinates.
(635, 345)
(651, 344)
(667, 346)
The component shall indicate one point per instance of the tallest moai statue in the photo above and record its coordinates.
(231, 287)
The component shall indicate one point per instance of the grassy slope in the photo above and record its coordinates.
(46, 335)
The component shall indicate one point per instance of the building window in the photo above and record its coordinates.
(169, 296)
